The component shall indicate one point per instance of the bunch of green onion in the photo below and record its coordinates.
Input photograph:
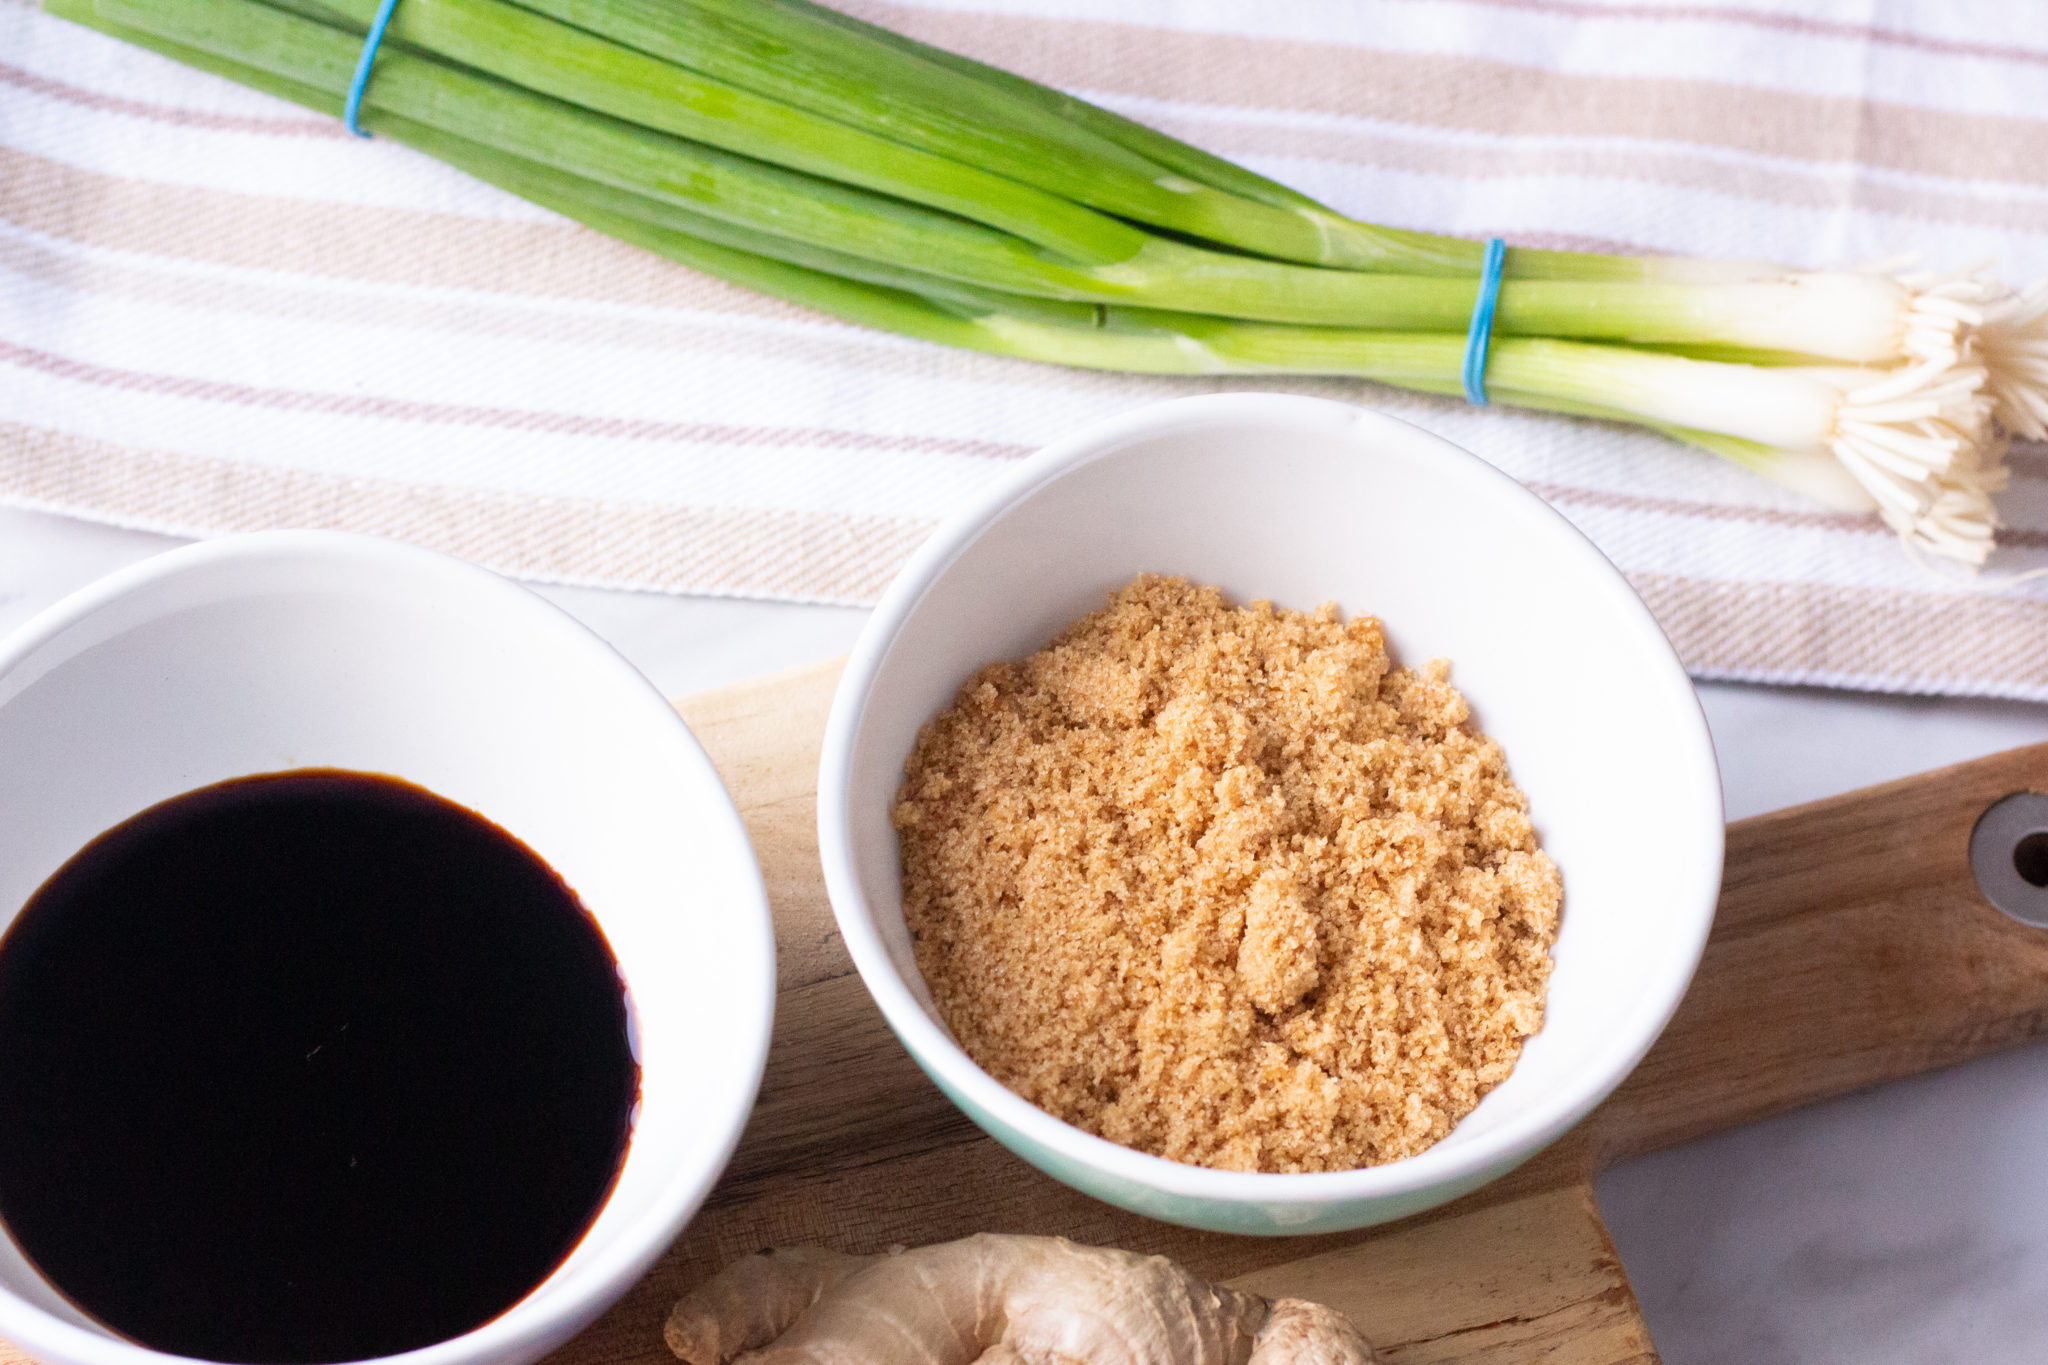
(801, 153)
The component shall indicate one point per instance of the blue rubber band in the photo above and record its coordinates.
(361, 81)
(1480, 333)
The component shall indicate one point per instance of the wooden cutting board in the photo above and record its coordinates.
(1851, 947)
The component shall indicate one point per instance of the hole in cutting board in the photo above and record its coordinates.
(2030, 858)
(2009, 856)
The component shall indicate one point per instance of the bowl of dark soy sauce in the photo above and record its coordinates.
(385, 971)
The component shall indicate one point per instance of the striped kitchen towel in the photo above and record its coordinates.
(219, 312)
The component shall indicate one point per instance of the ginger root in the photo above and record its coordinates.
(995, 1300)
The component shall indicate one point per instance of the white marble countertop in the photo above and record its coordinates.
(1903, 1225)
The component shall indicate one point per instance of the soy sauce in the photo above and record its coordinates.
(308, 1067)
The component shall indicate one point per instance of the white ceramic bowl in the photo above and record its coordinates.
(305, 649)
(1303, 501)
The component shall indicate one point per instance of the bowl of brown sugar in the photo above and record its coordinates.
(1266, 816)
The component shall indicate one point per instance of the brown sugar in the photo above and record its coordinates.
(1223, 885)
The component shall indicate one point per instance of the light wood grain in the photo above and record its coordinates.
(1850, 948)
(1535, 1278)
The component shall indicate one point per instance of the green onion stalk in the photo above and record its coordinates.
(802, 153)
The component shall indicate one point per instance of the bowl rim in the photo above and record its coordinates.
(1451, 1169)
(651, 1228)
